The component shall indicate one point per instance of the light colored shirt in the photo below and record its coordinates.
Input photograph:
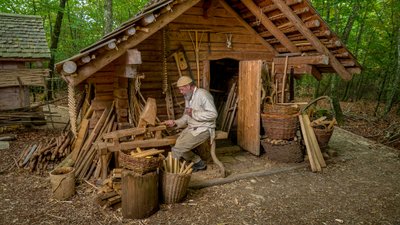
(204, 113)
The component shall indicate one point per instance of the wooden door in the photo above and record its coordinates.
(248, 131)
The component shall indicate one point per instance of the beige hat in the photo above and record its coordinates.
(184, 80)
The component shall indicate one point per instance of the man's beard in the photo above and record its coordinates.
(188, 96)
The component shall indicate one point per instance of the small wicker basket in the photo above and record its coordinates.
(323, 136)
(140, 165)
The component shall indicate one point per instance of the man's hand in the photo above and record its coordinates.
(188, 111)
(170, 123)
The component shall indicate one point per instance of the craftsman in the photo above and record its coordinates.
(199, 116)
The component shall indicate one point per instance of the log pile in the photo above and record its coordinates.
(110, 193)
(44, 156)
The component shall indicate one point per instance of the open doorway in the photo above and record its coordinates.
(223, 87)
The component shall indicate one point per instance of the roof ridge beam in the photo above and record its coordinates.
(270, 26)
(301, 27)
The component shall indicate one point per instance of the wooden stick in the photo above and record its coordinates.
(284, 79)
(170, 162)
(188, 167)
(310, 154)
(182, 167)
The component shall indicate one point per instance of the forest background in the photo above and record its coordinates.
(369, 28)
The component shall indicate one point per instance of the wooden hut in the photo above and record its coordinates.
(217, 42)
(23, 50)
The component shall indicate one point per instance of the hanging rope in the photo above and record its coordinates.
(164, 66)
(72, 108)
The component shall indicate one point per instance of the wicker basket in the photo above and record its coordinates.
(288, 153)
(281, 127)
(174, 186)
(139, 165)
(323, 137)
(275, 109)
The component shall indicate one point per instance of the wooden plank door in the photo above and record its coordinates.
(248, 132)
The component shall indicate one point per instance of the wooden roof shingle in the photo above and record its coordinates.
(22, 37)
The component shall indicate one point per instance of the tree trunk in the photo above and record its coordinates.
(108, 16)
(395, 85)
(381, 90)
(335, 100)
(53, 45)
(350, 22)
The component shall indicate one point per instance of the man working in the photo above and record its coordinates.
(200, 115)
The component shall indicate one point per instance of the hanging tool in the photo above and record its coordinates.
(182, 49)
(196, 45)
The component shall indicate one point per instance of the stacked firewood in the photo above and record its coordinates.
(110, 193)
(43, 156)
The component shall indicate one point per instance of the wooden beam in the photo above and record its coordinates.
(150, 143)
(238, 55)
(95, 65)
(270, 25)
(298, 69)
(309, 59)
(247, 26)
(316, 73)
(298, 23)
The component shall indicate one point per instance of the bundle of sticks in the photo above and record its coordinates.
(43, 156)
(323, 123)
(172, 165)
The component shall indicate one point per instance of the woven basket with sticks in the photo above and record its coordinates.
(143, 163)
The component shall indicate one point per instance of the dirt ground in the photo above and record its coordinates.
(359, 186)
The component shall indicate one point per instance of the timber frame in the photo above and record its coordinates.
(171, 38)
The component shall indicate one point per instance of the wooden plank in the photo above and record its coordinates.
(80, 138)
(270, 25)
(308, 59)
(313, 140)
(150, 143)
(299, 24)
(311, 156)
(249, 105)
(93, 66)
(247, 26)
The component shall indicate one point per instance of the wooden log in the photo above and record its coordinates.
(28, 156)
(139, 194)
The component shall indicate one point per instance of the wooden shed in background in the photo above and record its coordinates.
(23, 50)
(218, 43)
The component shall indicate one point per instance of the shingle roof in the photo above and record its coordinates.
(22, 36)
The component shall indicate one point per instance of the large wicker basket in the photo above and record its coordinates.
(281, 127)
(139, 165)
(288, 153)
